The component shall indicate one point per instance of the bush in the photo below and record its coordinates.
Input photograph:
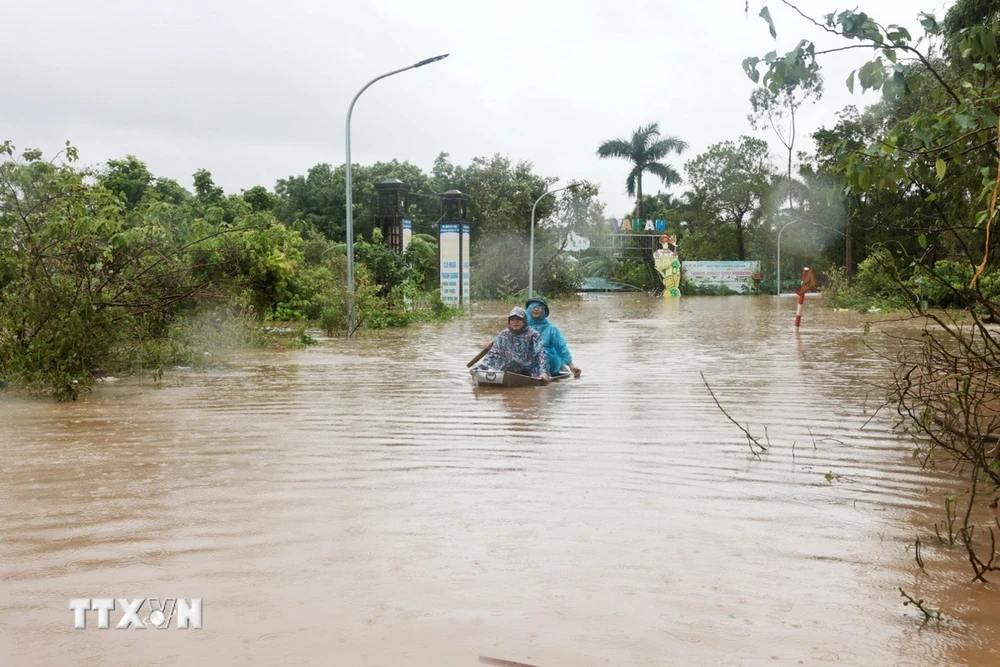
(879, 285)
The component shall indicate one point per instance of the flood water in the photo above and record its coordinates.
(360, 503)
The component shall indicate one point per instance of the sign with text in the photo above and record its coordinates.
(453, 242)
(638, 225)
(407, 233)
(737, 276)
(449, 243)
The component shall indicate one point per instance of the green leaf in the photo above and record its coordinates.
(989, 42)
(941, 167)
(922, 240)
(850, 83)
(929, 23)
(931, 197)
(766, 15)
(897, 33)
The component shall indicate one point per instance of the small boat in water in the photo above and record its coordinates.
(488, 378)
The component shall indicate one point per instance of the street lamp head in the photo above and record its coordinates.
(428, 61)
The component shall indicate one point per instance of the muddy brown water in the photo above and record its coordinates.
(360, 503)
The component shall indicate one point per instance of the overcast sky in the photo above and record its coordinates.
(255, 91)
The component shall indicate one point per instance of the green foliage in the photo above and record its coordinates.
(731, 185)
(422, 256)
(946, 285)
(878, 287)
(386, 268)
(128, 178)
(260, 199)
(84, 278)
(319, 200)
(205, 188)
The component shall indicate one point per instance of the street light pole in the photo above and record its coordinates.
(350, 207)
(531, 243)
(777, 271)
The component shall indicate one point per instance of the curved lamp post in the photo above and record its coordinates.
(531, 244)
(350, 211)
(777, 269)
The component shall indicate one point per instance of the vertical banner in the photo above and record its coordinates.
(407, 233)
(466, 248)
(450, 246)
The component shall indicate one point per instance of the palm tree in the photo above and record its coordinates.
(644, 150)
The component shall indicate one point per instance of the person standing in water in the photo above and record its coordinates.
(555, 344)
(517, 349)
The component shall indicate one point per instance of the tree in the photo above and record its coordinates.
(318, 198)
(778, 109)
(205, 189)
(132, 181)
(644, 150)
(129, 179)
(260, 199)
(732, 182)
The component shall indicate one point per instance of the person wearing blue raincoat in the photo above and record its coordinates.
(555, 344)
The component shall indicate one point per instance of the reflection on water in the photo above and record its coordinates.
(361, 503)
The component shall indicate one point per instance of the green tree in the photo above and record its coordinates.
(205, 189)
(732, 183)
(644, 150)
(318, 198)
(260, 199)
(87, 283)
(129, 178)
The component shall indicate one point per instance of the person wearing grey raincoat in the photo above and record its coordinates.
(517, 349)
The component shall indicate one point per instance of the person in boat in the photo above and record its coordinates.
(555, 344)
(517, 349)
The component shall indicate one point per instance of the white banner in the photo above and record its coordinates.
(407, 233)
(449, 242)
(737, 276)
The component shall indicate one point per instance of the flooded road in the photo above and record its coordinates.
(360, 503)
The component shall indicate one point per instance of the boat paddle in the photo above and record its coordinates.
(489, 346)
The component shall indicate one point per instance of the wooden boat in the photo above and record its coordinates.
(508, 379)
